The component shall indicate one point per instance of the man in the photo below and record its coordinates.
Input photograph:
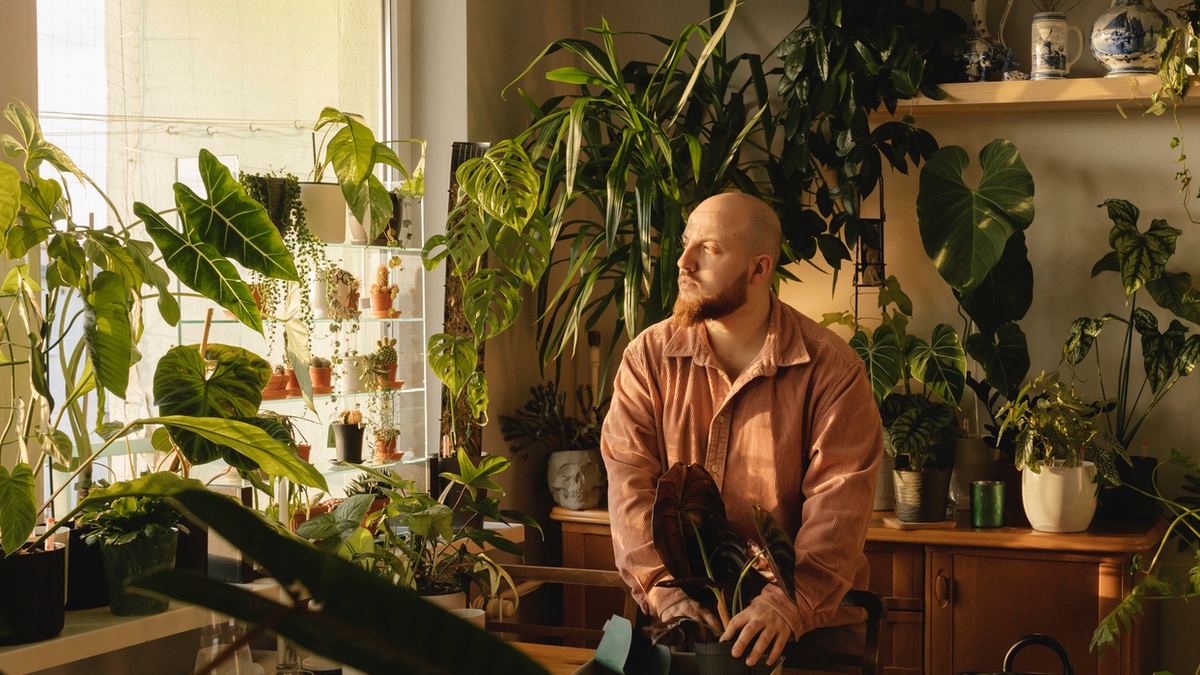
(775, 406)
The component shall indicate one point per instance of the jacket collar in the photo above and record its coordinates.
(784, 345)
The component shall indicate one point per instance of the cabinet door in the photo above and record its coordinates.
(589, 547)
(898, 574)
(980, 601)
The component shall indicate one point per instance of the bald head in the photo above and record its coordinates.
(751, 218)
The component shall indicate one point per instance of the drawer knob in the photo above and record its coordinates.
(941, 589)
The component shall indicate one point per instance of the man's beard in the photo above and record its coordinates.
(691, 311)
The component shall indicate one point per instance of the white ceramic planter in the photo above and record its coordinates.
(350, 380)
(448, 600)
(1058, 499)
(316, 296)
(325, 211)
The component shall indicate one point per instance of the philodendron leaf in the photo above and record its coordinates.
(779, 547)
(452, 359)
(108, 332)
(1177, 292)
(1189, 355)
(1084, 332)
(1140, 255)
(941, 365)
(364, 621)
(351, 149)
(965, 230)
(1159, 350)
(18, 512)
(10, 199)
(202, 268)
(883, 359)
(503, 183)
(1006, 293)
(233, 389)
(1005, 359)
(230, 220)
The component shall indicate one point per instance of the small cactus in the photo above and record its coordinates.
(278, 370)
(383, 282)
(319, 362)
(385, 354)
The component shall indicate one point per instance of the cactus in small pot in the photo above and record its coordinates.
(383, 293)
(320, 371)
(383, 361)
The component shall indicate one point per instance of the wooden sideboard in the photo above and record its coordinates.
(958, 598)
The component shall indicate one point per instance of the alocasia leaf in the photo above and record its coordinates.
(1140, 255)
(780, 549)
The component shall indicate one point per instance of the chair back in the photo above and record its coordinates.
(530, 577)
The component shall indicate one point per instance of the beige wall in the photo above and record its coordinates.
(18, 81)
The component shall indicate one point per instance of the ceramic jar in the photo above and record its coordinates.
(1125, 38)
(1048, 46)
(982, 55)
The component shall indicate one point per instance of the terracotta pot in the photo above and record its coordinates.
(291, 385)
(320, 377)
(384, 450)
(381, 305)
(352, 303)
(304, 451)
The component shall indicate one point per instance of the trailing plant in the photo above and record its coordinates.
(707, 558)
(1141, 259)
(339, 313)
(544, 421)
(915, 423)
(1178, 63)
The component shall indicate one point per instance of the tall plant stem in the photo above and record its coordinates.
(1123, 381)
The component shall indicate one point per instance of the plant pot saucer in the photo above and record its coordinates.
(274, 394)
(320, 391)
(385, 314)
(396, 384)
(391, 457)
(292, 393)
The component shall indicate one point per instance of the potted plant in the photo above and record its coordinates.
(384, 362)
(320, 371)
(413, 543)
(385, 442)
(575, 470)
(919, 426)
(348, 435)
(277, 384)
(383, 294)
(1056, 433)
(297, 440)
(1167, 355)
(707, 558)
(136, 535)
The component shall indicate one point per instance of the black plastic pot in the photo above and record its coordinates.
(348, 440)
(1119, 503)
(922, 496)
(716, 658)
(87, 585)
(32, 604)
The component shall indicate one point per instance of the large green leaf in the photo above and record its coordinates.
(183, 387)
(503, 183)
(1176, 292)
(10, 199)
(233, 222)
(1006, 293)
(452, 359)
(1005, 359)
(883, 359)
(108, 332)
(363, 621)
(40, 199)
(351, 149)
(940, 365)
(18, 512)
(1160, 351)
(465, 240)
(1142, 256)
(491, 302)
(202, 268)
(964, 230)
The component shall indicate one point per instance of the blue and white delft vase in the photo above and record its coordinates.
(982, 56)
(1125, 38)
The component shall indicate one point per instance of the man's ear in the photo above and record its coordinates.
(762, 270)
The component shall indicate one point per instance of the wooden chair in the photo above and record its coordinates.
(529, 577)
(810, 659)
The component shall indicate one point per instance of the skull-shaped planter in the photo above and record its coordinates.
(576, 478)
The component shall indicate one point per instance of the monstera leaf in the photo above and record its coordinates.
(779, 547)
(201, 267)
(965, 230)
(232, 391)
(491, 302)
(1141, 256)
(503, 182)
(233, 222)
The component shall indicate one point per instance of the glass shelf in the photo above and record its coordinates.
(401, 250)
(364, 319)
(336, 467)
(355, 395)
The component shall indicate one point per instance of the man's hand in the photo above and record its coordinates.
(763, 621)
(693, 610)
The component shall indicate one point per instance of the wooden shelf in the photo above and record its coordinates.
(1132, 93)
(91, 632)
